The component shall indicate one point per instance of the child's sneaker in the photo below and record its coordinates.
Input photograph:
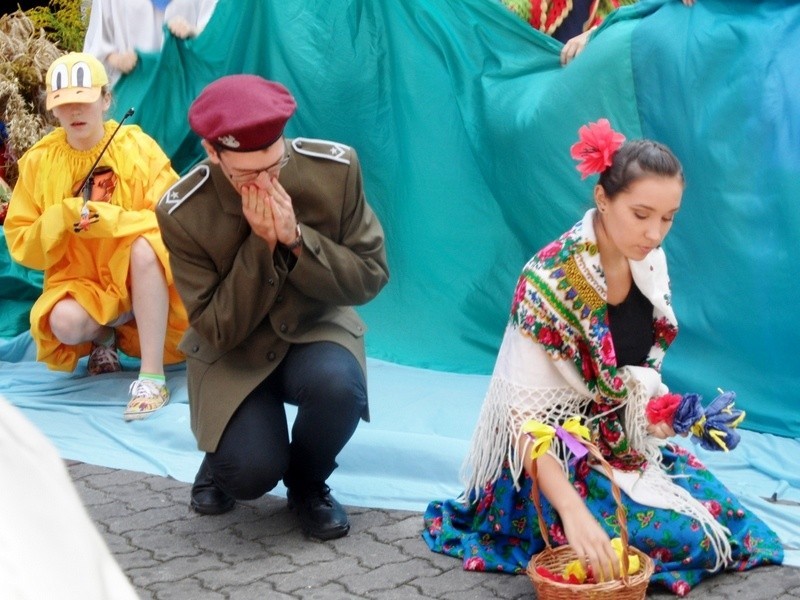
(147, 396)
(103, 359)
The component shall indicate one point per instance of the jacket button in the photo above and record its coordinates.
(317, 249)
(279, 298)
(270, 356)
(271, 281)
(195, 348)
(284, 328)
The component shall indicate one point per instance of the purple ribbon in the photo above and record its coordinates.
(578, 450)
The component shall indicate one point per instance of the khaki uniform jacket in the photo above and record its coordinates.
(247, 306)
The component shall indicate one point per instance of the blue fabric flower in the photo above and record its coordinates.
(689, 412)
(715, 427)
(722, 418)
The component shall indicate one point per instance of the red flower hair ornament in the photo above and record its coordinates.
(596, 147)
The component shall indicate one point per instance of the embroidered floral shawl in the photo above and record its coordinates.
(560, 303)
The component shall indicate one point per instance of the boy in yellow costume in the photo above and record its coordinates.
(107, 280)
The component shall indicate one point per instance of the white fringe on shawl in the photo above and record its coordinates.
(555, 397)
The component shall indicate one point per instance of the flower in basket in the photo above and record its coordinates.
(713, 427)
(595, 147)
(574, 571)
(546, 573)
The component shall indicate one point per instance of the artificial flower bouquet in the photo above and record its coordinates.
(714, 427)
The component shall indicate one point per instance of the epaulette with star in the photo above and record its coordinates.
(322, 149)
(182, 189)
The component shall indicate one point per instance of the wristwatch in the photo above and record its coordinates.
(297, 241)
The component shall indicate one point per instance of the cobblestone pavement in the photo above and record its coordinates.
(258, 552)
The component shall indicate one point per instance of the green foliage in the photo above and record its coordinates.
(606, 7)
(63, 22)
(521, 8)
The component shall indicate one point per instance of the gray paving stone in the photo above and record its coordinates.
(244, 573)
(261, 590)
(91, 495)
(447, 582)
(161, 543)
(369, 552)
(146, 518)
(403, 592)
(331, 591)
(387, 577)
(178, 568)
(318, 575)
(139, 560)
(182, 590)
(304, 552)
(257, 551)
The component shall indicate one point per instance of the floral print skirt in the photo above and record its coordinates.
(499, 531)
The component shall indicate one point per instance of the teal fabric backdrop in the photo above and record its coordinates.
(463, 119)
(19, 288)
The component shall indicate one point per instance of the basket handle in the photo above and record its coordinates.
(621, 511)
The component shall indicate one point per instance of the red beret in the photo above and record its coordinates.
(242, 113)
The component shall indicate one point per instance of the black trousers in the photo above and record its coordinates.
(327, 384)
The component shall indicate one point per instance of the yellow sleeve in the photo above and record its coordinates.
(35, 237)
(111, 221)
(163, 175)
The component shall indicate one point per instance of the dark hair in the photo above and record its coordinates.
(637, 159)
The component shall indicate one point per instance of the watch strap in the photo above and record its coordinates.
(297, 241)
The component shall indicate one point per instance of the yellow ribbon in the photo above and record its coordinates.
(573, 426)
(697, 428)
(543, 435)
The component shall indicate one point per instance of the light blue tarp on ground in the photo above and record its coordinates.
(463, 119)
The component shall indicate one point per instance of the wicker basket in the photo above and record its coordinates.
(629, 587)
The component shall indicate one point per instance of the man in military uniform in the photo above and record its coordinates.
(271, 243)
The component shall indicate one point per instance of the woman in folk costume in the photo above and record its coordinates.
(564, 19)
(569, 21)
(590, 322)
(107, 281)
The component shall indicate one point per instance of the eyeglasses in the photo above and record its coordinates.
(242, 177)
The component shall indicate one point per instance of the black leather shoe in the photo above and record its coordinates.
(207, 498)
(321, 516)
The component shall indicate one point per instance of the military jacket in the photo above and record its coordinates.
(246, 306)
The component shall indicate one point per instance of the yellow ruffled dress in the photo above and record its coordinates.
(90, 265)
